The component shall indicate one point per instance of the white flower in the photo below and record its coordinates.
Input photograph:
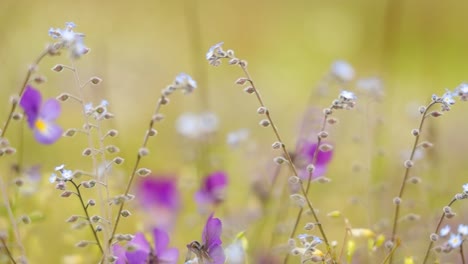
(53, 178)
(194, 126)
(185, 82)
(465, 187)
(463, 229)
(444, 231)
(67, 174)
(211, 54)
(236, 137)
(347, 96)
(70, 39)
(342, 70)
(462, 91)
(455, 240)
(447, 98)
(60, 167)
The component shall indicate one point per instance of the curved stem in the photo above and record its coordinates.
(405, 177)
(135, 167)
(85, 208)
(7, 251)
(439, 224)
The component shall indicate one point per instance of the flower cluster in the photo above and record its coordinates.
(456, 239)
(307, 249)
(70, 40)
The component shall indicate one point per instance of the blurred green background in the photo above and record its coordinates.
(137, 47)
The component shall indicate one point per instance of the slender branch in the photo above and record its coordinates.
(161, 101)
(439, 224)
(461, 253)
(31, 69)
(405, 178)
(7, 250)
(85, 208)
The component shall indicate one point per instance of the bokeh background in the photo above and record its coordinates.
(418, 48)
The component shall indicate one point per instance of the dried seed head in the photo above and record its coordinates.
(63, 97)
(95, 80)
(426, 144)
(276, 145)
(294, 180)
(233, 61)
(241, 80)
(327, 111)
(72, 219)
(324, 180)
(112, 133)
(422, 109)
(143, 172)
(434, 237)
(91, 202)
(309, 226)
(322, 134)
(86, 152)
(310, 168)
(415, 180)
(112, 149)
(388, 244)
(332, 121)
(95, 218)
(143, 152)
(450, 215)
(17, 116)
(70, 132)
(415, 132)
(436, 114)
(325, 147)
(82, 244)
(262, 110)
(118, 160)
(279, 160)
(125, 213)
(408, 164)
(447, 209)
(249, 90)
(264, 122)
(164, 100)
(25, 219)
(108, 115)
(98, 228)
(152, 132)
(397, 200)
(66, 194)
(58, 68)
(40, 79)
(158, 117)
(298, 199)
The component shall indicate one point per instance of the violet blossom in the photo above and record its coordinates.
(210, 250)
(212, 188)
(41, 118)
(322, 160)
(160, 199)
(140, 251)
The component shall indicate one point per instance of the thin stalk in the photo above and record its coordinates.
(285, 152)
(137, 164)
(23, 87)
(461, 253)
(7, 251)
(439, 224)
(87, 128)
(405, 178)
(85, 208)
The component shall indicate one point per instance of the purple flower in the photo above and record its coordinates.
(306, 154)
(160, 199)
(41, 118)
(210, 251)
(141, 252)
(212, 188)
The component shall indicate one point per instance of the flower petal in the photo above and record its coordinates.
(141, 252)
(49, 134)
(211, 233)
(50, 110)
(31, 103)
(161, 240)
(168, 256)
(119, 252)
(217, 255)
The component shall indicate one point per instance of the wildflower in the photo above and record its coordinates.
(455, 240)
(69, 39)
(463, 230)
(409, 260)
(160, 199)
(465, 188)
(41, 117)
(236, 137)
(185, 82)
(210, 251)
(212, 52)
(345, 100)
(140, 251)
(342, 70)
(462, 91)
(236, 251)
(212, 188)
(322, 160)
(196, 126)
(444, 231)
